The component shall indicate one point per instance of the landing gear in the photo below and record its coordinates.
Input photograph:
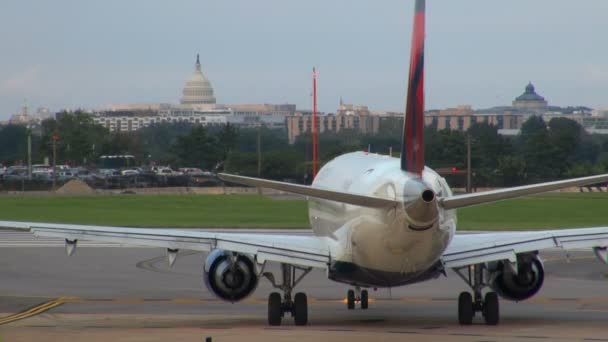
(491, 310)
(300, 310)
(468, 305)
(364, 300)
(350, 299)
(465, 308)
(278, 306)
(275, 309)
(360, 296)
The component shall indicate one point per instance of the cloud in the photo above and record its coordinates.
(22, 80)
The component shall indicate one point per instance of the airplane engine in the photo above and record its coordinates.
(520, 285)
(230, 276)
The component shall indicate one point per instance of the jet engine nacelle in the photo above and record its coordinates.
(521, 284)
(230, 276)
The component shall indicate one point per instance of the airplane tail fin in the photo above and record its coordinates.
(412, 143)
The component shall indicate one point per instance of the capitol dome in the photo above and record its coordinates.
(530, 99)
(198, 89)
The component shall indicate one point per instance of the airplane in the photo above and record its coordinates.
(377, 222)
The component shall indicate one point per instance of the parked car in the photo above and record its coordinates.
(44, 175)
(129, 172)
(166, 171)
(41, 167)
(65, 175)
(107, 173)
(192, 171)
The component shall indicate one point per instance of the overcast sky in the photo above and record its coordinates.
(481, 52)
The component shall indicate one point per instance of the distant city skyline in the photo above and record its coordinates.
(81, 54)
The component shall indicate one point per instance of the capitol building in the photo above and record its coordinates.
(198, 90)
(197, 106)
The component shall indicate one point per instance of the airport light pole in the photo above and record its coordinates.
(469, 188)
(55, 137)
(259, 151)
(29, 152)
(315, 141)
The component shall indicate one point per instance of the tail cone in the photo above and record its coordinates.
(422, 212)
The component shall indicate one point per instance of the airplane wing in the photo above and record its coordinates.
(470, 249)
(307, 251)
(461, 201)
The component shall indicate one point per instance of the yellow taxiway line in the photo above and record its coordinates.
(36, 310)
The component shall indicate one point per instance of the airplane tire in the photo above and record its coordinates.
(275, 313)
(465, 308)
(350, 299)
(300, 309)
(491, 309)
(364, 300)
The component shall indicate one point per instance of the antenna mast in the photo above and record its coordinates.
(315, 142)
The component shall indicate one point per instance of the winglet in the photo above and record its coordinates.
(412, 145)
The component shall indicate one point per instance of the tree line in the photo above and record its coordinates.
(542, 151)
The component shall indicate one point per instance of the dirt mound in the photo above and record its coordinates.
(75, 187)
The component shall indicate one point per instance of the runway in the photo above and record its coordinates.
(130, 294)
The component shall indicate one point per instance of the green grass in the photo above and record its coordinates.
(158, 211)
(547, 211)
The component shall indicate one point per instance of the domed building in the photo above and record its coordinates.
(198, 89)
(530, 100)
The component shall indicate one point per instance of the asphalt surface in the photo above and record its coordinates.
(130, 294)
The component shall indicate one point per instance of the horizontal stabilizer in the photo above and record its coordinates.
(344, 197)
(461, 201)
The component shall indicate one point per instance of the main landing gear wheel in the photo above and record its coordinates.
(491, 309)
(465, 308)
(278, 306)
(350, 299)
(275, 311)
(364, 300)
(300, 309)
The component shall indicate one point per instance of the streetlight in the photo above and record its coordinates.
(29, 151)
(55, 137)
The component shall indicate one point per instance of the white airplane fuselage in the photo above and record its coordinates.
(380, 247)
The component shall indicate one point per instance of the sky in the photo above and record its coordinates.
(87, 54)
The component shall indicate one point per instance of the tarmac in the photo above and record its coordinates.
(130, 294)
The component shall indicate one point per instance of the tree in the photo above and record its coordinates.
(486, 147)
(565, 137)
(445, 148)
(79, 137)
(123, 143)
(13, 144)
(157, 140)
(198, 149)
(512, 171)
(535, 148)
(227, 137)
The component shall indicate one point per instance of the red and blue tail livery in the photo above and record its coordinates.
(412, 155)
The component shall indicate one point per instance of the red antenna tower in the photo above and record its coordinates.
(315, 142)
